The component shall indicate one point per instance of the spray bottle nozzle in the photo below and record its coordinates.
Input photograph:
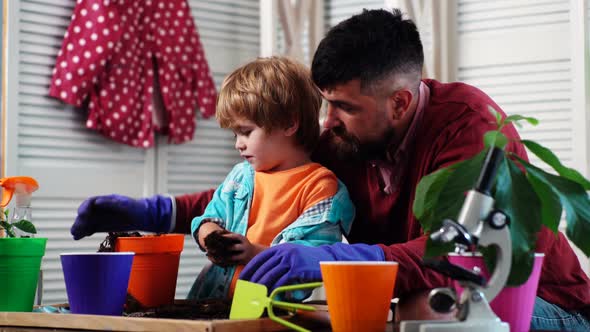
(22, 186)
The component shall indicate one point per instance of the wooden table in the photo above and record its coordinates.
(41, 322)
(318, 320)
(33, 321)
(20, 321)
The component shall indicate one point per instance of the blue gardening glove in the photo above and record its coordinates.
(117, 213)
(289, 263)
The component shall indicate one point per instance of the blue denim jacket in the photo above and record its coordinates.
(323, 223)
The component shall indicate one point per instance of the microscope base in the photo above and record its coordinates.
(478, 316)
(453, 326)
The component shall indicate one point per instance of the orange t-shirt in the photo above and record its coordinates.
(281, 197)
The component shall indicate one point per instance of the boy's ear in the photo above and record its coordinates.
(291, 130)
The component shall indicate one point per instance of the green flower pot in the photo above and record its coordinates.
(20, 262)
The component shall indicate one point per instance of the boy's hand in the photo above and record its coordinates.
(219, 248)
(243, 249)
(206, 229)
(226, 248)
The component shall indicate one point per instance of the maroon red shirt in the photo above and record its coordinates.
(449, 129)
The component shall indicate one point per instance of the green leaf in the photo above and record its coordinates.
(495, 138)
(440, 195)
(551, 159)
(8, 228)
(25, 226)
(460, 181)
(574, 199)
(431, 206)
(517, 199)
(427, 193)
(489, 256)
(550, 204)
(6, 214)
(515, 119)
(496, 114)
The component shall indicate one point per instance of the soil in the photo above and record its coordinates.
(108, 245)
(218, 247)
(188, 309)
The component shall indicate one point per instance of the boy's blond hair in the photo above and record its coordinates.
(274, 93)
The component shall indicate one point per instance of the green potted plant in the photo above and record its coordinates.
(528, 195)
(20, 253)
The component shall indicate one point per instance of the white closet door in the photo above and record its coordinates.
(230, 34)
(48, 140)
(520, 53)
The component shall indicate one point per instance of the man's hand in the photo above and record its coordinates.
(287, 264)
(116, 213)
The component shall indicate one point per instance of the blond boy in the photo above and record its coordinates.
(277, 194)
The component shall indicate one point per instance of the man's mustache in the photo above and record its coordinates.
(347, 145)
(342, 133)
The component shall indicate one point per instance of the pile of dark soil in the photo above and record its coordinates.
(108, 245)
(187, 309)
(218, 247)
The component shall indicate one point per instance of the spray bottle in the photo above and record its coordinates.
(21, 187)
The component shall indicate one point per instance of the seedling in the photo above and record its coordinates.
(22, 224)
(21, 188)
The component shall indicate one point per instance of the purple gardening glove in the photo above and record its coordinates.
(288, 263)
(116, 213)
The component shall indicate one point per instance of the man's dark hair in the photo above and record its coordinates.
(369, 46)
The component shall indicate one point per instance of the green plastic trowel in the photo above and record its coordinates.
(250, 300)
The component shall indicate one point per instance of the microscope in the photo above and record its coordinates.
(478, 224)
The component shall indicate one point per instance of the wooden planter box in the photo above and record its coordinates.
(33, 321)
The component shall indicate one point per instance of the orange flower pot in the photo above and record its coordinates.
(155, 267)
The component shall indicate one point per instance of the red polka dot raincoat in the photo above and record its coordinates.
(115, 53)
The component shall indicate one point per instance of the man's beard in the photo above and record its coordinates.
(349, 147)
